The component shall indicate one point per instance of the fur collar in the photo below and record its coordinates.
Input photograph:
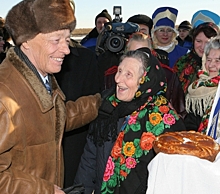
(40, 93)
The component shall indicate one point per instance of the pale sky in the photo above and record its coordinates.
(86, 10)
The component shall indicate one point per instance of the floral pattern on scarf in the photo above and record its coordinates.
(187, 68)
(125, 155)
(212, 82)
(139, 130)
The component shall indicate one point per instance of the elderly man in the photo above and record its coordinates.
(33, 115)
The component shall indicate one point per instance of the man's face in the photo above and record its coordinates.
(47, 51)
(183, 33)
(100, 23)
(144, 29)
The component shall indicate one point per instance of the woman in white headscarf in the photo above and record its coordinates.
(202, 91)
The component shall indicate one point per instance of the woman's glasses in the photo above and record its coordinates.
(163, 31)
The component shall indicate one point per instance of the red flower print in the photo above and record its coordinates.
(203, 125)
(122, 159)
(116, 150)
(146, 141)
(123, 173)
(214, 80)
(186, 85)
(164, 109)
(188, 70)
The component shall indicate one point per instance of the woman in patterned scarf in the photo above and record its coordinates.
(201, 92)
(188, 65)
(119, 144)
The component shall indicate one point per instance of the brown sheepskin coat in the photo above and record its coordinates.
(32, 123)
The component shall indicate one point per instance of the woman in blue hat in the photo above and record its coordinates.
(164, 33)
(204, 27)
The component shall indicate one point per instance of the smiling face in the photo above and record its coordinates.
(212, 64)
(164, 36)
(47, 51)
(127, 78)
(199, 43)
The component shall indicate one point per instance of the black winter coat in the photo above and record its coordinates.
(78, 77)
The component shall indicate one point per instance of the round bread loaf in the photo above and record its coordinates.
(188, 143)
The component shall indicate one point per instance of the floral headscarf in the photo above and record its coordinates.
(133, 147)
(153, 82)
(201, 95)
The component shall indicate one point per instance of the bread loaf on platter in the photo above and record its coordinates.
(187, 143)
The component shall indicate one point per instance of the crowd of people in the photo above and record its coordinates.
(70, 115)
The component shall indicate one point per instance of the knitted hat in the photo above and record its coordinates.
(203, 16)
(164, 16)
(31, 17)
(185, 25)
(104, 14)
(142, 19)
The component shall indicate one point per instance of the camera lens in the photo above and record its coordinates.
(115, 43)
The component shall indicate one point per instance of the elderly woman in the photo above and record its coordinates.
(174, 92)
(119, 144)
(202, 91)
(203, 29)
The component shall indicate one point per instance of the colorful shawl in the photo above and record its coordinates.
(187, 68)
(201, 94)
(129, 155)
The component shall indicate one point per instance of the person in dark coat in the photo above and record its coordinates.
(119, 144)
(90, 40)
(184, 39)
(78, 77)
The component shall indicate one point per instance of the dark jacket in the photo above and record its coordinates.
(90, 40)
(175, 54)
(2, 57)
(94, 159)
(187, 42)
(192, 121)
(78, 77)
(174, 91)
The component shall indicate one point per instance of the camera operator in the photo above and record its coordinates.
(145, 23)
(108, 60)
(90, 40)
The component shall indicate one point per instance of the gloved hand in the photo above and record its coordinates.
(75, 189)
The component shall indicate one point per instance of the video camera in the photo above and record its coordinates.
(115, 34)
